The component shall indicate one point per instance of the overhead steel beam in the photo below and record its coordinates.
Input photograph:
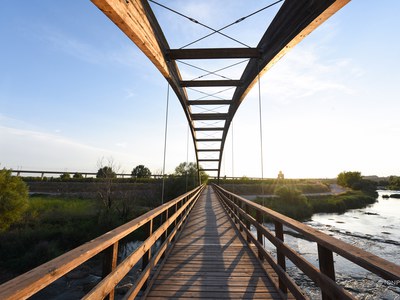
(209, 128)
(213, 53)
(208, 140)
(208, 150)
(209, 83)
(209, 102)
(215, 116)
(209, 160)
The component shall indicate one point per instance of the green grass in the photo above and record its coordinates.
(319, 204)
(50, 227)
(54, 225)
(342, 202)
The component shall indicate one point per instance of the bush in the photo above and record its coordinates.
(13, 199)
(289, 202)
(341, 203)
(65, 176)
(77, 176)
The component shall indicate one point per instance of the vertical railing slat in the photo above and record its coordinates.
(109, 264)
(326, 265)
(279, 255)
(146, 257)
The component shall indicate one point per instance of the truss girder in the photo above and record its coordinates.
(292, 23)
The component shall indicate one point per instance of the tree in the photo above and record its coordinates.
(106, 175)
(65, 176)
(77, 175)
(141, 171)
(106, 172)
(13, 199)
(349, 179)
(190, 170)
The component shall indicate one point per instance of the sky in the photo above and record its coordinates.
(74, 90)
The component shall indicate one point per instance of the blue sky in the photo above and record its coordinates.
(74, 89)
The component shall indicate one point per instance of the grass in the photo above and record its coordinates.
(303, 210)
(52, 226)
(342, 202)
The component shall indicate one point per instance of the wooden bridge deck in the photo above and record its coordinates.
(211, 260)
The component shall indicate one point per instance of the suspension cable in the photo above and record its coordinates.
(233, 23)
(233, 173)
(206, 95)
(199, 23)
(187, 157)
(165, 147)
(213, 72)
(260, 115)
(261, 140)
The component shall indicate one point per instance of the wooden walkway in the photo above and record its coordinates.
(211, 260)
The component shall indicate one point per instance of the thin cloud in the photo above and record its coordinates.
(124, 54)
(306, 74)
(36, 149)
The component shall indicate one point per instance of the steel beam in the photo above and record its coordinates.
(208, 128)
(214, 116)
(208, 140)
(213, 53)
(209, 83)
(208, 150)
(209, 160)
(209, 102)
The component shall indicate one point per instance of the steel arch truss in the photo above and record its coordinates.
(292, 23)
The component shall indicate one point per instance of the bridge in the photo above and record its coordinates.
(209, 242)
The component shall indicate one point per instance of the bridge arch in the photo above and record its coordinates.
(294, 20)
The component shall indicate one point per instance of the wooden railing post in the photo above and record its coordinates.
(146, 257)
(176, 209)
(260, 238)
(240, 216)
(326, 265)
(109, 264)
(246, 208)
(280, 256)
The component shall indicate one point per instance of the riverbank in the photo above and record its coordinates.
(317, 203)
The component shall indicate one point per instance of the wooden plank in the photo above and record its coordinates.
(210, 260)
(214, 295)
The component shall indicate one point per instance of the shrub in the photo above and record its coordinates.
(13, 199)
(65, 176)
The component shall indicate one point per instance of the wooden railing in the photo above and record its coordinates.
(247, 213)
(161, 224)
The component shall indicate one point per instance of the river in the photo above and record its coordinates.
(375, 229)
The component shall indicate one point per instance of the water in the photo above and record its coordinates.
(375, 229)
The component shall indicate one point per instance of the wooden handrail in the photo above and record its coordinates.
(35, 280)
(240, 210)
